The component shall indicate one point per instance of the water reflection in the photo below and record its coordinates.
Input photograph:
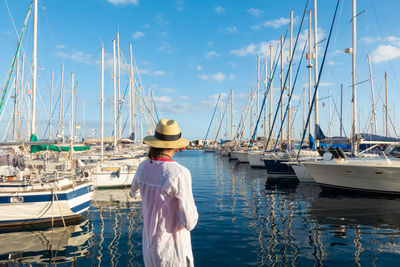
(366, 227)
(118, 225)
(245, 219)
(50, 246)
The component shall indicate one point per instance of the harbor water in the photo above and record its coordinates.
(244, 220)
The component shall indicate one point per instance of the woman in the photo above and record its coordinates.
(169, 211)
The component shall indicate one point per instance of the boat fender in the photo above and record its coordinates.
(119, 173)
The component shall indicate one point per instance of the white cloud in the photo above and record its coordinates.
(179, 5)
(211, 54)
(165, 47)
(232, 76)
(370, 40)
(219, 9)
(210, 43)
(164, 99)
(333, 63)
(390, 49)
(179, 108)
(276, 23)
(325, 84)
(60, 46)
(248, 50)
(393, 40)
(77, 56)
(159, 73)
(137, 35)
(199, 68)
(262, 48)
(164, 33)
(123, 2)
(159, 19)
(232, 29)
(62, 55)
(219, 77)
(254, 11)
(337, 52)
(212, 100)
(167, 90)
(384, 53)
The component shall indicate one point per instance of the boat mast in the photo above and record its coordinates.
(115, 96)
(34, 68)
(316, 72)
(51, 100)
(271, 94)
(102, 105)
(386, 105)
(281, 78)
(21, 98)
(258, 84)
(232, 115)
(16, 85)
(341, 109)
(330, 112)
(290, 81)
(83, 120)
(61, 111)
(354, 150)
(309, 66)
(72, 107)
(371, 79)
(119, 85)
(76, 108)
(133, 106)
(265, 91)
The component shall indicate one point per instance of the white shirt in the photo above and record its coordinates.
(169, 212)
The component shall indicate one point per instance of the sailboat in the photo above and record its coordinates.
(40, 198)
(357, 173)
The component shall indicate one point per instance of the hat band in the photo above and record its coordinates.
(165, 137)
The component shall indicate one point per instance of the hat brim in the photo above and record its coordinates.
(154, 142)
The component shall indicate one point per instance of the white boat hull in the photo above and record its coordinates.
(255, 160)
(302, 173)
(242, 156)
(364, 175)
(25, 208)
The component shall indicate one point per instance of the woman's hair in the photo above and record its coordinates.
(154, 152)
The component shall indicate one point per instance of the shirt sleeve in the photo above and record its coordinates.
(134, 192)
(188, 215)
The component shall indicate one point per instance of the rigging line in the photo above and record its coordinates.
(12, 20)
(14, 58)
(384, 40)
(337, 112)
(223, 116)
(295, 113)
(156, 108)
(290, 97)
(394, 128)
(338, 25)
(319, 77)
(276, 59)
(139, 87)
(287, 75)
(212, 118)
(120, 104)
(48, 24)
(54, 108)
(8, 97)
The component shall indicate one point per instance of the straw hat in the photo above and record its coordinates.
(166, 135)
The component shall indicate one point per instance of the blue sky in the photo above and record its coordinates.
(188, 52)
